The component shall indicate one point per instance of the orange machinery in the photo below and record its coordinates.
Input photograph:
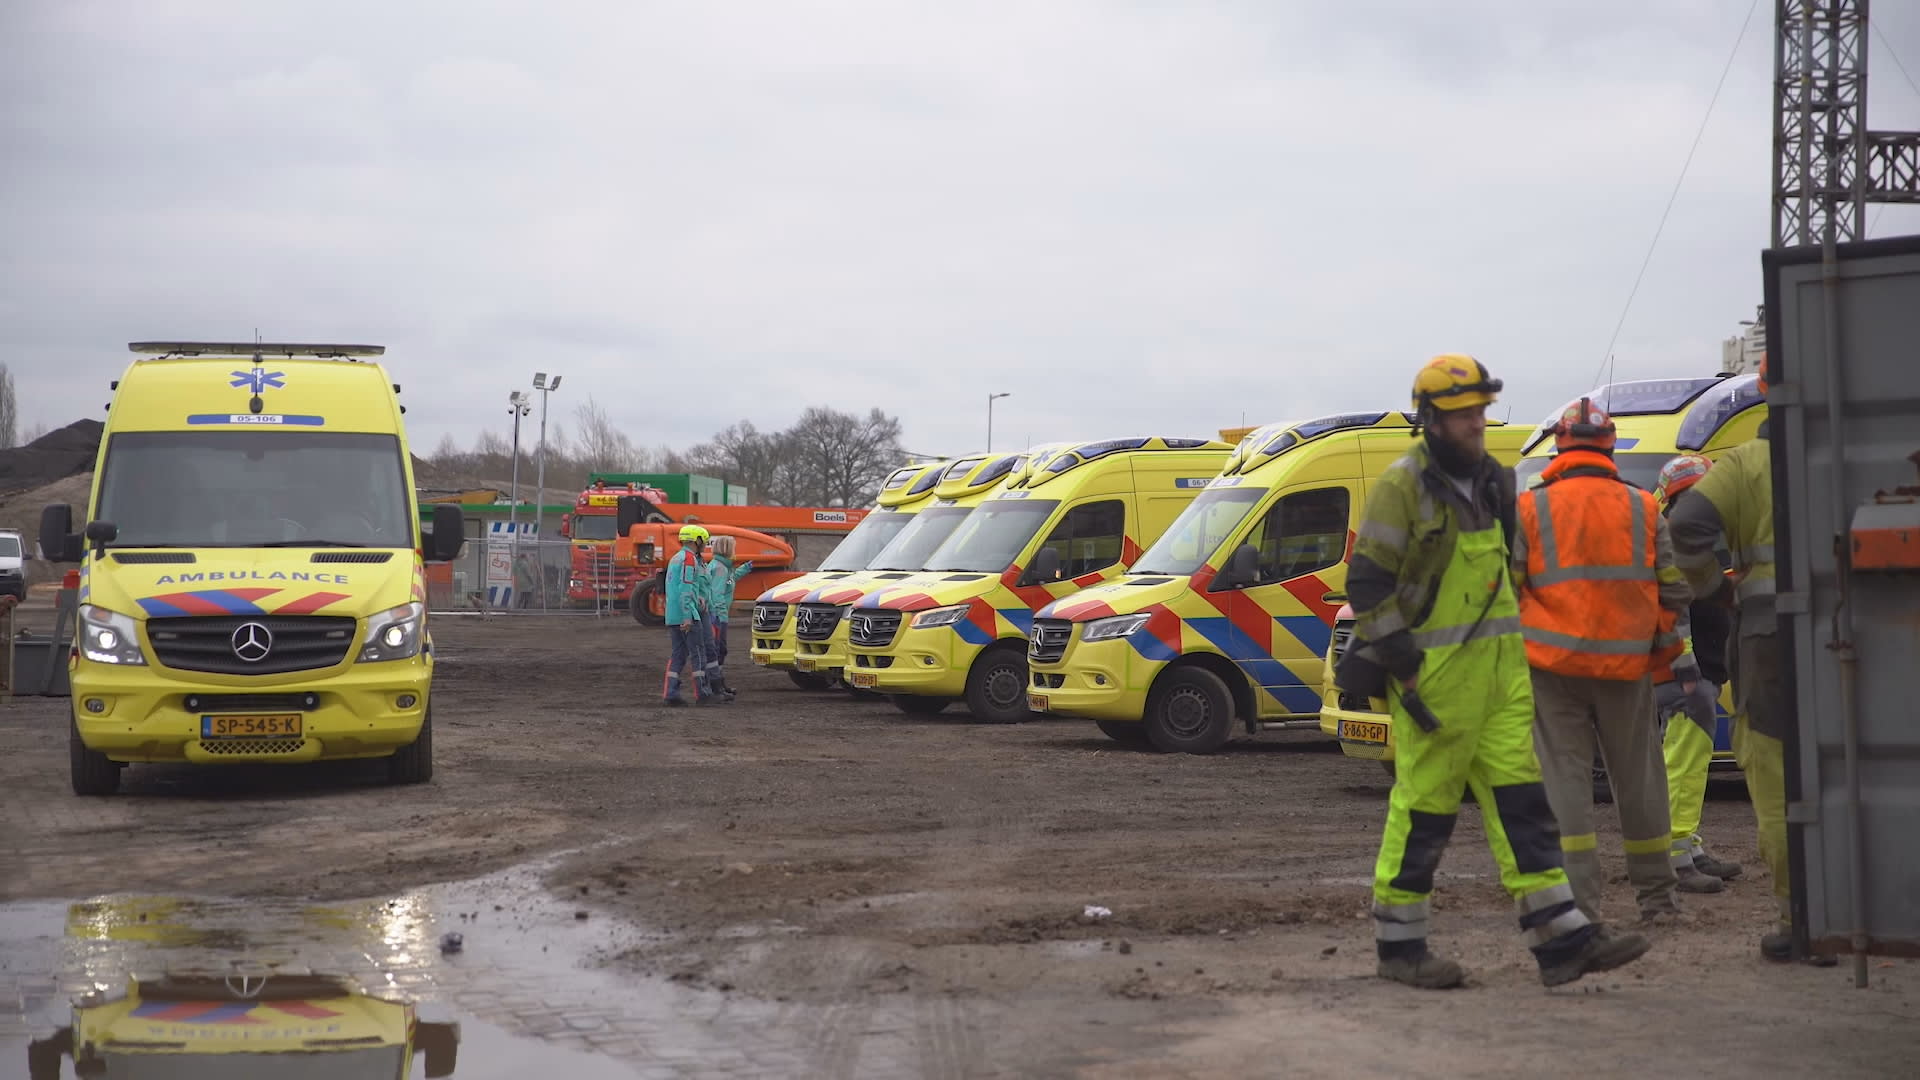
(604, 512)
(644, 552)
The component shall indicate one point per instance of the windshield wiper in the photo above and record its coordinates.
(309, 543)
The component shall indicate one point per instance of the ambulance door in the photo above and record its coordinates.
(1283, 613)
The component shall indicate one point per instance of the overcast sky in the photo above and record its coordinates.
(1135, 217)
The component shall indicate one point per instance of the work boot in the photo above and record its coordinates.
(1409, 962)
(1778, 947)
(1602, 950)
(1705, 862)
(1693, 881)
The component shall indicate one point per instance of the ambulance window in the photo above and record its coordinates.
(1089, 537)
(1304, 532)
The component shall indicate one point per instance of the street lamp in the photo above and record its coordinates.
(518, 405)
(545, 386)
(990, 400)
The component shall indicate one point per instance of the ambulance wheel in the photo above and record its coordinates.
(640, 604)
(1189, 712)
(1124, 732)
(914, 705)
(1391, 775)
(997, 686)
(810, 680)
(93, 772)
(413, 763)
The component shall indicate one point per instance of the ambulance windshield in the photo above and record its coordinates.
(255, 489)
(1199, 531)
(922, 536)
(866, 540)
(993, 535)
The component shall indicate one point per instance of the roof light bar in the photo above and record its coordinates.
(253, 348)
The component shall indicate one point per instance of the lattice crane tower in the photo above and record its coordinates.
(1827, 165)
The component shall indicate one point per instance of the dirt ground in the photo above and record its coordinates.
(821, 850)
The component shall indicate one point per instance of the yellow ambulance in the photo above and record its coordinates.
(1224, 622)
(1657, 420)
(1074, 516)
(797, 624)
(251, 579)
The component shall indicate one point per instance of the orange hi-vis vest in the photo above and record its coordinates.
(1591, 602)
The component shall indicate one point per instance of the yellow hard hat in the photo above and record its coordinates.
(693, 533)
(1453, 381)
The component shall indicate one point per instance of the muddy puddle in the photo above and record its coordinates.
(515, 971)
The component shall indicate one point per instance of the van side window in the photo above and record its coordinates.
(1303, 532)
(1089, 537)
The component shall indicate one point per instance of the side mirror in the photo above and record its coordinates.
(57, 541)
(566, 526)
(1045, 568)
(449, 533)
(1242, 569)
(100, 534)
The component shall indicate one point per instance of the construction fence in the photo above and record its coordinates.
(503, 571)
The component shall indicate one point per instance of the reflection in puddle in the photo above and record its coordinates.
(170, 987)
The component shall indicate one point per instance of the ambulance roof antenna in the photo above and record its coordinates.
(254, 404)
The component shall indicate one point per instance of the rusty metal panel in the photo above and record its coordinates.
(1844, 372)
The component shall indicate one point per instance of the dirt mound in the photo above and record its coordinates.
(53, 456)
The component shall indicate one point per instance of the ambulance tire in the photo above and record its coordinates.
(997, 686)
(413, 763)
(1124, 732)
(1391, 774)
(915, 705)
(93, 772)
(1189, 712)
(640, 603)
(810, 680)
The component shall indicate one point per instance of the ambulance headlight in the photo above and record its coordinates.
(108, 637)
(940, 616)
(1117, 626)
(394, 634)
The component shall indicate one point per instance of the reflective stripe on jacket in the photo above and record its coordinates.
(685, 588)
(1590, 571)
(1408, 532)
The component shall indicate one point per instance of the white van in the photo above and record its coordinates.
(13, 565)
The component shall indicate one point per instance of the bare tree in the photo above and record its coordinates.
(742, 454)
(446, 451)
(9, 410)
(844, 458)
(35, 433)
(602, 447)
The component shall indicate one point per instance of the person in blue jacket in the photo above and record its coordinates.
(686, 618)
(722, 576)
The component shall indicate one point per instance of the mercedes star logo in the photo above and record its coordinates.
(252, 642)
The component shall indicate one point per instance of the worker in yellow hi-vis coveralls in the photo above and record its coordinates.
(1438, 634)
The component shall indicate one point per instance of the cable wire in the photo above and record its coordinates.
(1606, 358)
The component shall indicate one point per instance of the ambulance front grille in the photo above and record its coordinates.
(815, 622)
(769, 617)
(1049, 642)
(291, 643)
(873, 629)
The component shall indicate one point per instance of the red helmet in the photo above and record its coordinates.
(1680, 474)
(1584, 426)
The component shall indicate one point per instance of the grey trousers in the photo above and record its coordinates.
(1571, 714)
